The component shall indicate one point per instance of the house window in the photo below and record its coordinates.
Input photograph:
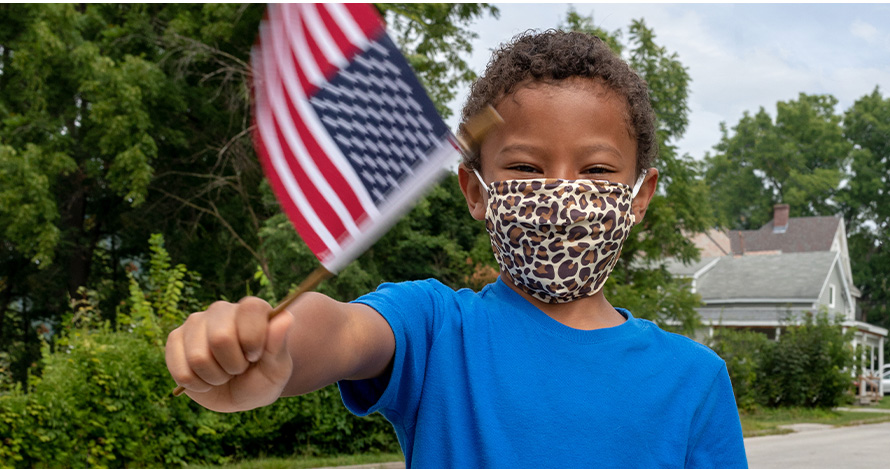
(831, 296)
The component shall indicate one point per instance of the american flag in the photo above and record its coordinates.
(347, 136)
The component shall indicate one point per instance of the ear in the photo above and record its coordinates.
(644, 196)
(475, 194)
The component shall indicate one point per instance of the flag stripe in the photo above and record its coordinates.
(324, 155)
(307, 64)
(327, 69)
(346, 134)
(268, 128)
(305, 149)
(307, 233)
(326, 43)
(347, 24)
(347, 48)
(366, 18)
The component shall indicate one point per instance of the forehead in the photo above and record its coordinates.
(571, 108)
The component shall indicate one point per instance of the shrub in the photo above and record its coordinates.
(742, 351)
(809, 366)
(104, 398)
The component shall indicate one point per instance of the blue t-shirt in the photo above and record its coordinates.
(489, 380)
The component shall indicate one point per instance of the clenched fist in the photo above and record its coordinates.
(232, 357)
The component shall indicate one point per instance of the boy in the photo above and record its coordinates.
(537, 369)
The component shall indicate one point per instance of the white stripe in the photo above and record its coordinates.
(298, 44)
(265, 127)
(320, 34)
(290, 80)
(348, 25)
(278, 101)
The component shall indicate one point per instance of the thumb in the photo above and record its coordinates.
(279, 328)
(276, 363)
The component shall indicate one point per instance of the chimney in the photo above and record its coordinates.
(742, 242)
(780, 218)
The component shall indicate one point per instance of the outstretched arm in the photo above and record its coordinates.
(231, 357)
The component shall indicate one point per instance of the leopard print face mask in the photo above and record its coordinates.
(558, 240)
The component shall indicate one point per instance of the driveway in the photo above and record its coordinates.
(861, 446)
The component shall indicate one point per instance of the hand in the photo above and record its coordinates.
(232, 357)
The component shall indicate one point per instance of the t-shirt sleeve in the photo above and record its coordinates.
(716, 436)
(412, 310)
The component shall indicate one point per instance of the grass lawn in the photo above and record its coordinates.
(763, 421)
(756, 422)
(305, 462)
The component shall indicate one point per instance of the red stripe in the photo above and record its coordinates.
(328, 169)
(308, 88)
(316, 200)
(313, 197)
(347, 48)
(367, 18)
(327, 69)
(307, 233)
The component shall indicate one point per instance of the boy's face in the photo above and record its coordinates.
(576, 129)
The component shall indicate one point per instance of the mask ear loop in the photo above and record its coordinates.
(476, 172)
(639, 184)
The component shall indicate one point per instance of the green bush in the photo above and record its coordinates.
(104, 397)
(809, 366)
(741, 350)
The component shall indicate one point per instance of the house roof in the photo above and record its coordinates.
(803, 234)
(675, 267)
(796, 275)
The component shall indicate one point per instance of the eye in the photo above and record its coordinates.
(524, 168)
(597, 170)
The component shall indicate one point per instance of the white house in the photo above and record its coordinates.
(764, 279)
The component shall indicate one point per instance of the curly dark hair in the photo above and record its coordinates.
(554, 55)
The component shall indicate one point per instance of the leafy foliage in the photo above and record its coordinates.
(103, 399)
(798, 160)
(866, 203)
(435, 38)
(118, 121)
(741, 350)
(809, 366)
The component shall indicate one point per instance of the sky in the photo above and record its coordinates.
(740, 57)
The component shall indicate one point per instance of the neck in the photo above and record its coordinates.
(589, 313)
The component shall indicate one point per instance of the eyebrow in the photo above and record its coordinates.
(532, 149)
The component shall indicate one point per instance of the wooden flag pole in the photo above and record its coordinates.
(476, 129)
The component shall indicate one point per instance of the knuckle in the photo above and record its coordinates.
(253, 304)
(221, 338)
(219, 305)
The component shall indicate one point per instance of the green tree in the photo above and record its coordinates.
(797, 159)
(680, 207)
(85, 110)
(117, 121)
(866, 203)
(436, 38)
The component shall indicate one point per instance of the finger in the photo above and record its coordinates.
(174, 355)
(252, 319)
(222, 337)
(197, 348)
(277, 363)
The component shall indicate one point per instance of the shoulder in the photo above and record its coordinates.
(681, 349)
